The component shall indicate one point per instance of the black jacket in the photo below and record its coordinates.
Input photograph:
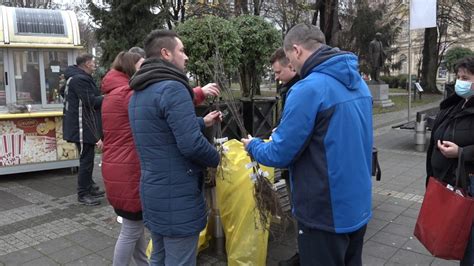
(285, 88)
(454, 123)
(82, 103)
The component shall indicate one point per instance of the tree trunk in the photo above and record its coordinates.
(244, 82)
(328, 19)
(430, 60)
(256, 7)
(241, 7)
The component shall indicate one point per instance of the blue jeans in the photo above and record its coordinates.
(174, 251)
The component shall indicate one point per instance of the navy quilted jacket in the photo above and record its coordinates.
(173, 152)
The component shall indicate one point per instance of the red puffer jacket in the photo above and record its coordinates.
(120, 163)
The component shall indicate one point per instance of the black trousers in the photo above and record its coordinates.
(86, 166)
(317, 247)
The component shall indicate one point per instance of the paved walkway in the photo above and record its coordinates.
(42, 224)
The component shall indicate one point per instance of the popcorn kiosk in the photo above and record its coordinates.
(36, 46)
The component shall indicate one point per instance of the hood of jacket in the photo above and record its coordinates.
(154, 70)
(74, 70)
(341, 65)
(114, 79)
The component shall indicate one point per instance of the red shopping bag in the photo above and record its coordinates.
(445, 218)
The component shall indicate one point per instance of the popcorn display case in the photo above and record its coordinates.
(36, 47)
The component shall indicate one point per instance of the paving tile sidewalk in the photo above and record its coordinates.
(42, 224)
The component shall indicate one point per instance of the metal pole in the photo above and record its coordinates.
(409, 63)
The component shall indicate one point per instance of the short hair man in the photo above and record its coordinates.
(286, 76)
(172, 149)
(82, 123)
(200, 93)
(325, 137)
(284, 73)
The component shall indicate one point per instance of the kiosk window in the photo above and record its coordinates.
(55, 63)
(3, 96)
(27, 77)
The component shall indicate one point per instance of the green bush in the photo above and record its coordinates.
(392, 81)
(454, 54)
(205, 37)
(402, 81)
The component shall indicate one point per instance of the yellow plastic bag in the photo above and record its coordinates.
(203, 242)
(246, 242)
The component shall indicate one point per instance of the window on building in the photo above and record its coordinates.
(55, 63)
(27, 77)
(404, 64)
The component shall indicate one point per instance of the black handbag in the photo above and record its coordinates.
(375, 165)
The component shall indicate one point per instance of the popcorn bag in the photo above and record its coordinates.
(11, 148)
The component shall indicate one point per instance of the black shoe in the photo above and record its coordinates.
(293, 261)
(96, 193)
(88, 200)
(94, 186)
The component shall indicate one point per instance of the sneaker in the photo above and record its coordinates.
(88, 200)
(293, 261)
(96, 193)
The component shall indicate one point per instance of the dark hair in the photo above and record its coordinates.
(125, 63)
(159, 39)
(83, 58)
(280, 56)
(467, 63)
(137, 50)
(306, 35)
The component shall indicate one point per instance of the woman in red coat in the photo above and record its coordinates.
(120, 163)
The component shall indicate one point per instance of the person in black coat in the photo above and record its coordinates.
(454, 128)
(286, 76)
(82, 123)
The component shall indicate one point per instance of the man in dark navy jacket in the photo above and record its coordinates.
(325, 138)
(82, 123)
(172, 149)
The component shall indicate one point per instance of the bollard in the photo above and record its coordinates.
(420, 132)
(215, 224)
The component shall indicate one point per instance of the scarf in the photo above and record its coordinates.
(155, 70)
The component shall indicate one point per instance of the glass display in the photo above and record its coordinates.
(55, 63)
(27, 77)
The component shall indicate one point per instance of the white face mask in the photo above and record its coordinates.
(464, 88)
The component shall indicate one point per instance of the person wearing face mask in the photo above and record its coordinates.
(120, 163)
(452, 129)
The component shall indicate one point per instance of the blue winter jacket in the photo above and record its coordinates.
(325, 138)
(173, 152)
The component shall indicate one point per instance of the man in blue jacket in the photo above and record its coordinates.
(172, 149)
(325, 138)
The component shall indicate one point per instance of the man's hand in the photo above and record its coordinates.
(246, 141)
(100, 144)
(448, 149)
(213, 117)
(211, 89)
